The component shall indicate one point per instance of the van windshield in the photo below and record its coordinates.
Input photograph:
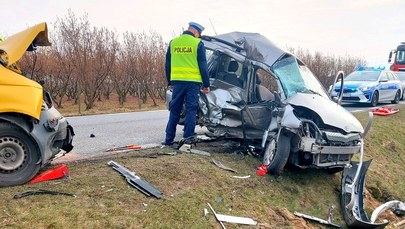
(296, 77)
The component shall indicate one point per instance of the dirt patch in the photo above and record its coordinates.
(390, 145)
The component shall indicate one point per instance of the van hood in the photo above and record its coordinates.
(331, 113)
(14, 47)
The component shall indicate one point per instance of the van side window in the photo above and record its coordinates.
(230, 71)
(266, 84)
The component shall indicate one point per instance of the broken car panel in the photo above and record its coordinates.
(352, 203)
(270, 99)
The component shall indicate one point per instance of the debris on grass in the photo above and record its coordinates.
(136, 181)
(60, 171)
(232, 219)
(41, 192)
(328, 221)
(241, 177)
(220, 165)
(262, 170)
(187, 148)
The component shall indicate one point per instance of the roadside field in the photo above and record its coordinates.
(189, 182)
(111, 105)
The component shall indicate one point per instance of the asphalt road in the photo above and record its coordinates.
(112, 130)
(138, 128)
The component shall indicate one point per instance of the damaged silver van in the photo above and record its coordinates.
(270, 99)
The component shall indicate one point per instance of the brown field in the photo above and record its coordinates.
(110, 106)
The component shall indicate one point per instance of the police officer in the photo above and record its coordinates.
(186, 71)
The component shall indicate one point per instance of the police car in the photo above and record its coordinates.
(370, 85)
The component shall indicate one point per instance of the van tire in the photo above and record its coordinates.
(281, 154)
(19, 156)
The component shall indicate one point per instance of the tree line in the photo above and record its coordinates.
(92, 63)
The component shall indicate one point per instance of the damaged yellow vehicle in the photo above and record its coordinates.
(32, 131)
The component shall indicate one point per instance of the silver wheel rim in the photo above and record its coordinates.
(270, 152)
(12, 154)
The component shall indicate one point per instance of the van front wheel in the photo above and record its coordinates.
(19, 156)
(277, 154)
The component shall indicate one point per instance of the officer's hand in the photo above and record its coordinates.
(170, 87)
(206, 90)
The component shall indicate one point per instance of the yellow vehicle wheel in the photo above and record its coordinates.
(19, 156)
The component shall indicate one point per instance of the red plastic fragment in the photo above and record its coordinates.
(262, 170)
(51, 174)
(384, 111)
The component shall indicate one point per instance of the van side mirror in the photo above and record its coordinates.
(389, 57)
(339, 78)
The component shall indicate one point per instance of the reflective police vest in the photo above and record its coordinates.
(184, 64)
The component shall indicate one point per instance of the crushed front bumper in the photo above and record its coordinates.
(52, 134)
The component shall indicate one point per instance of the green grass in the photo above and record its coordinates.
(385, 145)
(189, 182)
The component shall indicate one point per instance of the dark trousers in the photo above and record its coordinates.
(182, 92)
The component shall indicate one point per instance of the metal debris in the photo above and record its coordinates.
(136, 181)
(205, 138)
(215, 214)
(126, 147)
(236, 219)
(205, 212)
(399, 209)
(42, 192)
(322, 221)
(241, 177)
(232, 219)
(394, 204)
(220, 165)
(352, 198)
(188, 149)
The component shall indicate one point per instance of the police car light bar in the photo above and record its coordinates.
(373, 68)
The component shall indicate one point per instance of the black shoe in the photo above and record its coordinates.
(190, 140)
(168, 145)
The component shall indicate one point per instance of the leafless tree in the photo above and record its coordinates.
(325, 67)
(88, 62)
(151, 53)
(126, 69)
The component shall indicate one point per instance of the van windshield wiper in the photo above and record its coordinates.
(310, 91)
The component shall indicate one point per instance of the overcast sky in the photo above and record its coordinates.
(360, 28)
